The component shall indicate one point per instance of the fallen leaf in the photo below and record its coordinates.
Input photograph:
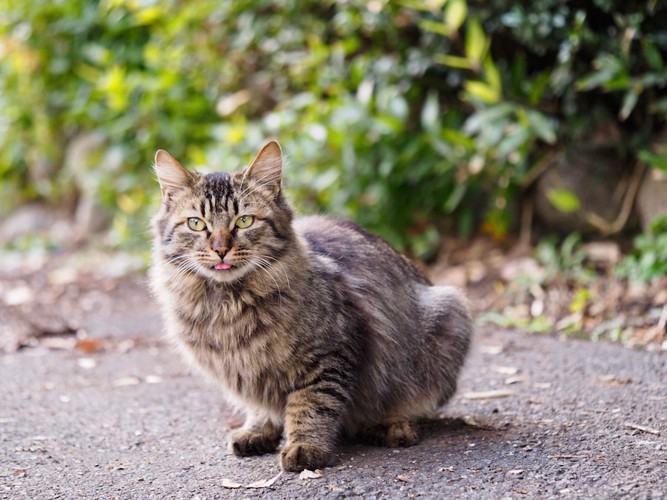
(264, 483)
(19, 473)
(492, 349)
(88, 346)
(19, 295)
(505, 370)
(404, 477)
(502, 393)
(515, 380)
(226, 483)
(615, 379)
(125, 345)
(87, 363)
(124, 382)
(471, 422)
(58, 343)
(310, 474)
(153, 379)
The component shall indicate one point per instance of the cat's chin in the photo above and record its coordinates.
(224, 275)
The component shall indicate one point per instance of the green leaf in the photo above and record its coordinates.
(482, 91)
(608, 68)
(456, 137)
(453, 61)
(417, 5)
(537, 88)
(653, 56)
(430, 115)
(492, 76)
(654, 160)
(563, 200)
(489, 116)
(476, 43)
(455, 198)
(455, 14)
(435, 27)
(542, 126)
(629, 102)
(513, 141)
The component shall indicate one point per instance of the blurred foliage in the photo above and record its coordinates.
(566, 261)
(648, 260)
(416, 117)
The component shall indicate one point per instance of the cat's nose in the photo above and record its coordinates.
(221, 243)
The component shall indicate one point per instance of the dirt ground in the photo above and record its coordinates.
(96, 405)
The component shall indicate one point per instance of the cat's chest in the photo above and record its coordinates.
(250, 362)
(230, 335)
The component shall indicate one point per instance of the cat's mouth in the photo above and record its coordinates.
(222, 266)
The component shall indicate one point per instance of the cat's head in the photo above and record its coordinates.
(222, 226)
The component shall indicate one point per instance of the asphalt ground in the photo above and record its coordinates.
(535, 417)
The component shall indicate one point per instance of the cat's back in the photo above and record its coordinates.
(356, 252)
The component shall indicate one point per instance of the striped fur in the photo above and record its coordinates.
(318, 327)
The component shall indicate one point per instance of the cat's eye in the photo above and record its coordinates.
(244, 221)
(196, 224)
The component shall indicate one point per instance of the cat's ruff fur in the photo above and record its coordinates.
(317, 328)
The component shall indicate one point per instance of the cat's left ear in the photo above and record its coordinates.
(170, 173)
(267, 168)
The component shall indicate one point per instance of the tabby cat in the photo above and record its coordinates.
(313, 327)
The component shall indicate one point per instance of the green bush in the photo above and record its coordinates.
(648, 260)
(416, 118)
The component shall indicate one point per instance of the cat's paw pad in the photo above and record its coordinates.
(244, 443)
(296, 457)
(395, 434)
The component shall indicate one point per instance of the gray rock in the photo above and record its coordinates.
(651, 201)
(90, 162)
(593, 174)
(652, 198)
(35, 219)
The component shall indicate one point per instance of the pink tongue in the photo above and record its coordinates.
(222, 265)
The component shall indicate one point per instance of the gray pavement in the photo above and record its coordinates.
(535, 417)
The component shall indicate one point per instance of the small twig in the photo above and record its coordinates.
(526, 222)
(488, 394)
(608, 228)
(642, 428)
(542, 166)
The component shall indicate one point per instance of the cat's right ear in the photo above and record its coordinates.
(267, 167)
(171, 175)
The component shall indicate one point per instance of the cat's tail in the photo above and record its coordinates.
(448, 321)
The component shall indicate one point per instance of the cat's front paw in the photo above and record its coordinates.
(296, 457)
(246, 442)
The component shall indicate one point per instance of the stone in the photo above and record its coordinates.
(651, 201)
(593, 174)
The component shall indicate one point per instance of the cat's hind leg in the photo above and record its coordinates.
(396, 432)
(447, 326)
(256, 437)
